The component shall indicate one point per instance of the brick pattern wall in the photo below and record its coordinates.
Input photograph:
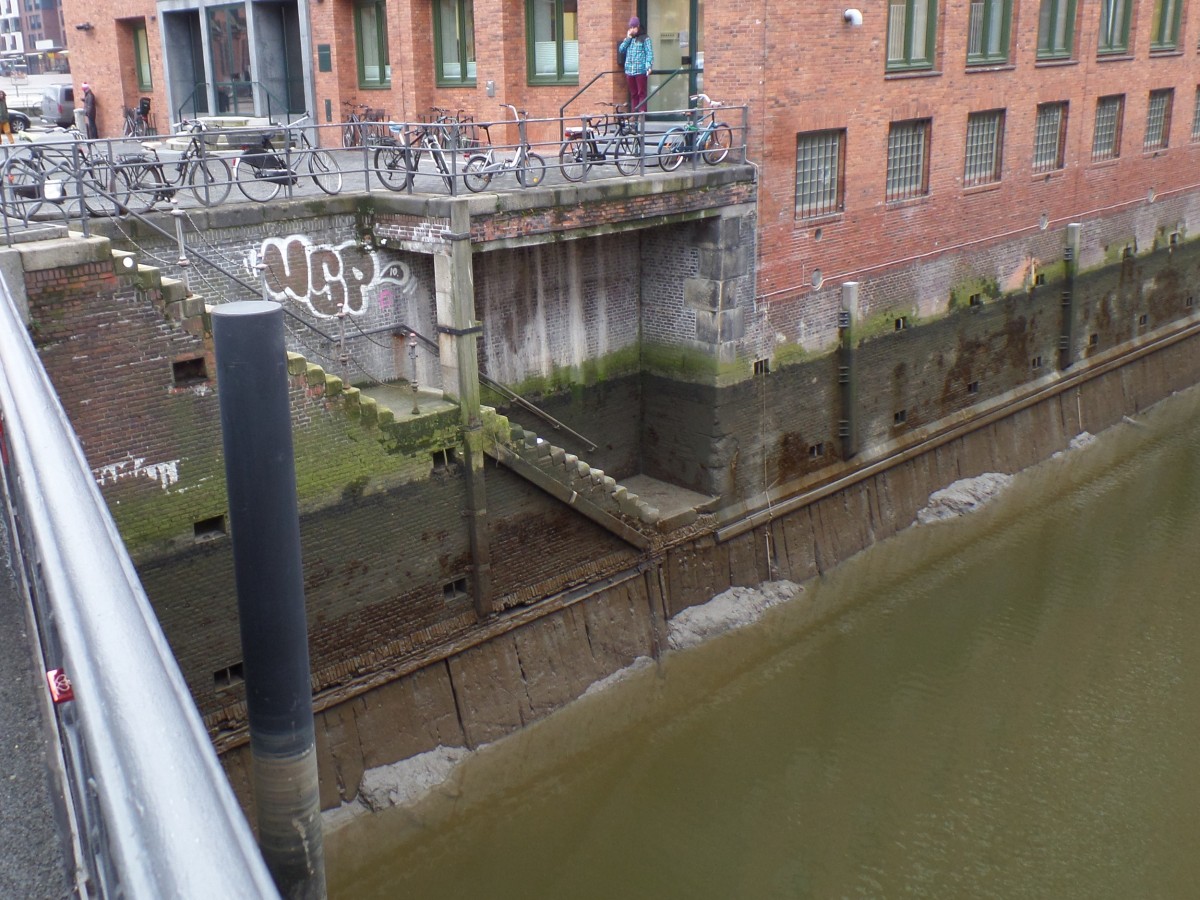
(551, 309)
(548, 220)
(842, 84)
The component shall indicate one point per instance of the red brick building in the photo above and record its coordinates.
(884, 135)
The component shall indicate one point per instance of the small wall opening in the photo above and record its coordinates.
(1039, 278)
(901, 322)
(455, 591)
(1035, 363)
(973, 387)
(186, 372)
(762, 367)
(445, 458)
(900, 417)
(1094, 340)
(975, 300)
(230, 676)
(209, 529)
(817, 450)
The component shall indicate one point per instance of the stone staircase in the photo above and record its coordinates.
(568, 478)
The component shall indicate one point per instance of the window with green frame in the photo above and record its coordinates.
(912, 27)
(1114, 26)
(1164, 33)
(987, 35)
(1056, 29)
(370, 34)
(141, 57)
(552, 41)
(454, 42)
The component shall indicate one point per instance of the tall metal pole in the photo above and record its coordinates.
(260, 472)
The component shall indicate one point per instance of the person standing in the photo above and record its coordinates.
(639, 60)
(5, 125)
(89, 111)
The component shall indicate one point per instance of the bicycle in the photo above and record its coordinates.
(529, 167)
(363, 127)
(460, 132)
(712, 142)
(148, 180)
(139, 122)
(398, 161)
(47, 172)
(261, 171)
(615, 135)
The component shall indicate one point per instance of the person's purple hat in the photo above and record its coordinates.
(635, 22)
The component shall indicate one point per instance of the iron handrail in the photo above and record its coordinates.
(156, 814)
(506, 392)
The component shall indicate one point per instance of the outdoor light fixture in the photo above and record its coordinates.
(853, 17)
(84, 26)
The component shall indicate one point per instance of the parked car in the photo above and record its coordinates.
(58, 106)
(17, 121)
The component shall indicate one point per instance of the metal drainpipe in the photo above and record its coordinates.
(1066, 340)
(847, 380)
(260, 473)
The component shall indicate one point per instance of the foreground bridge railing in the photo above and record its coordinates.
(60, 178)
(154, 814)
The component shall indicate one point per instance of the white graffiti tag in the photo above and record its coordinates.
(330, 280)
(165, 473)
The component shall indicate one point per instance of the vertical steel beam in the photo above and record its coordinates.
(260, 472)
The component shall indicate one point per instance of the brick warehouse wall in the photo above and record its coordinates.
(841, 83)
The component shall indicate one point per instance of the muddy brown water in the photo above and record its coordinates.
(1003, 706)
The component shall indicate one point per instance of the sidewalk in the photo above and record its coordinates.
(32, 863)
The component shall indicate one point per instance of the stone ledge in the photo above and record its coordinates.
(55, 253)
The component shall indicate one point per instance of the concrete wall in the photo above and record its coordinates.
(532, 666)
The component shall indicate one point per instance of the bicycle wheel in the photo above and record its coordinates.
(629, 154)
(210, 180)
(128, 132)
(259, 185)
(672, 149)
(716, 144)
(24, 188)
(142, 183)
(104, 193)
(532, 173)
(325, 171)
(476, 175)
(573, 159)
(444, 159)
(391, 164)
(350, 135)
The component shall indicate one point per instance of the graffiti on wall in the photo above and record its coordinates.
(328, 280)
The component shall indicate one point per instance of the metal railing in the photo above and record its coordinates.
(61, 178)
(155, 814)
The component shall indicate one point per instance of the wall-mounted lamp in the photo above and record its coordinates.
(853, 17)
(84, 26)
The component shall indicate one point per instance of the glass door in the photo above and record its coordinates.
(230, 45)
(677, 29)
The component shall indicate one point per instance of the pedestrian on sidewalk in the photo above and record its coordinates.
(639, 60)
(89, 111)
(5, 125)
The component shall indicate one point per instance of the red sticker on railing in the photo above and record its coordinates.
(60, 686)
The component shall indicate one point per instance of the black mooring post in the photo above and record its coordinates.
(260, 472)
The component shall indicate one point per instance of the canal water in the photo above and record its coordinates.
(1006, 705)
